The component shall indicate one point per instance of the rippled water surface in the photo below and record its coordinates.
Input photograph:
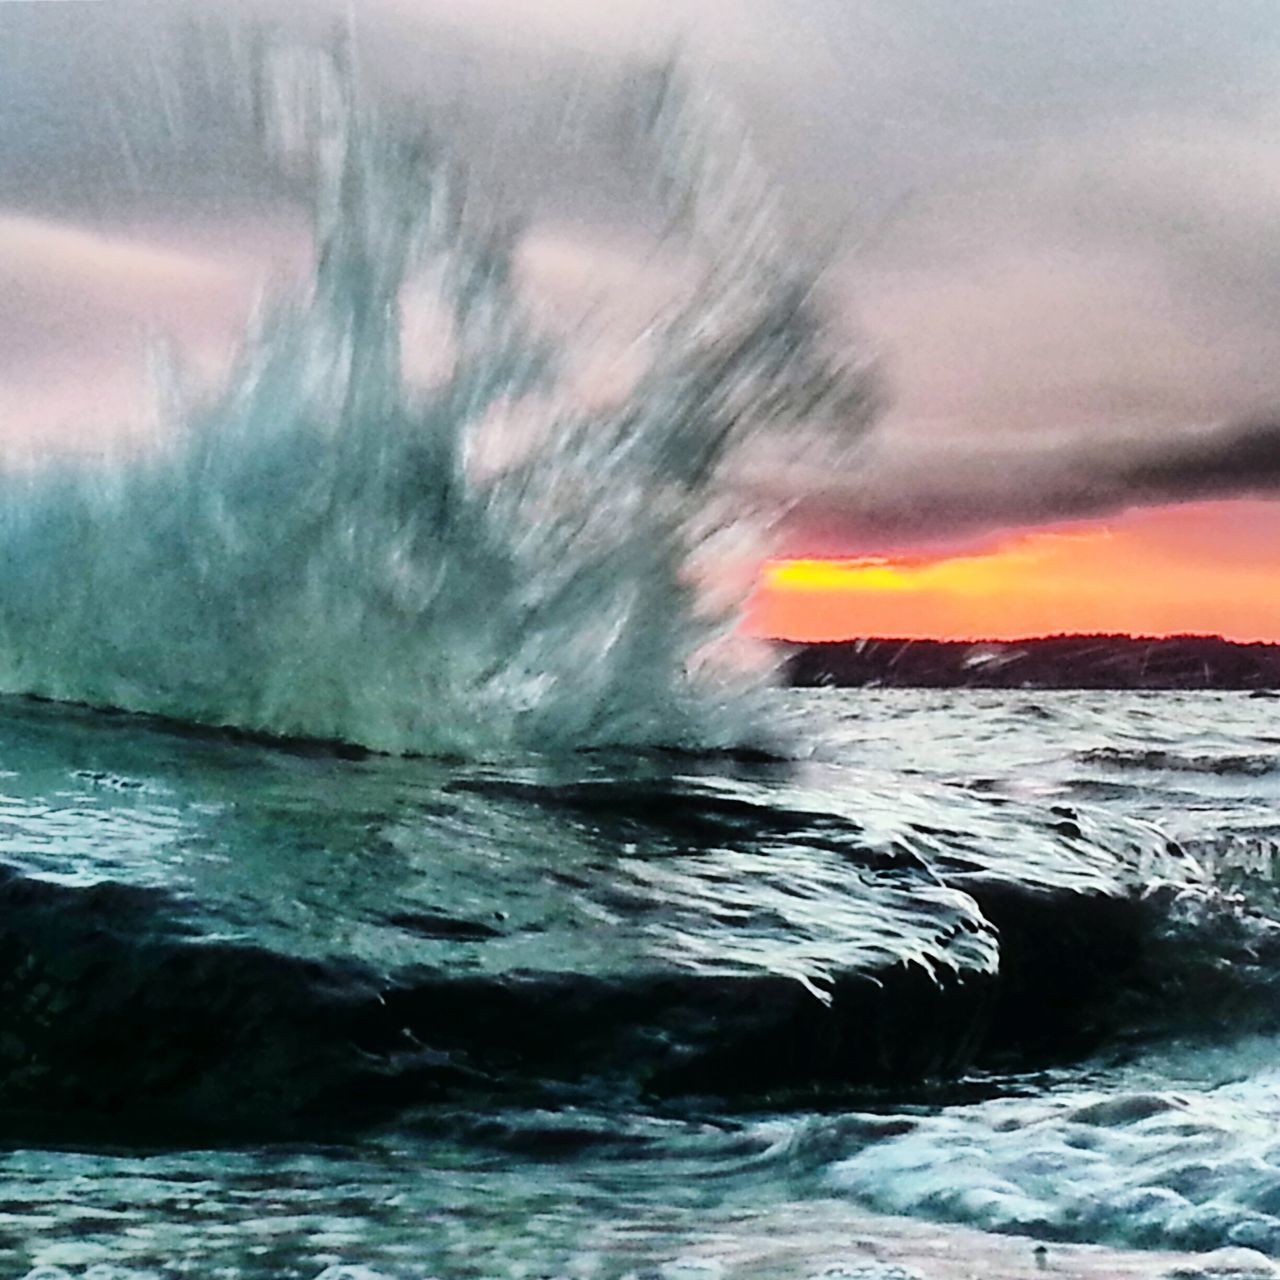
(577, 1147)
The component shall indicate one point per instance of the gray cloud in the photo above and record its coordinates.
(907, 493)
(1062, 218)
(1242, 458)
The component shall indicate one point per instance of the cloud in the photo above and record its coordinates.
(45, 265)
(80, 308)
(907, 492)
(1064, 219)
(1242, 458)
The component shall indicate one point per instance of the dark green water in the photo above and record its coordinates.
(271, 1011)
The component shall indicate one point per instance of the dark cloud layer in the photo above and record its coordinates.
(1241, 459)
(1063, 220)
(904, 494)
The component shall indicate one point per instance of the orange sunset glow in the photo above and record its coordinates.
(1208, 568)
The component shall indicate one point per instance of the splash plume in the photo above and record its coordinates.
(312, 551)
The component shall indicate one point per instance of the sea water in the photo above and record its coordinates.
(406, 873)
(1164, 1142)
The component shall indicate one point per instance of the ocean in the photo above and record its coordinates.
(406, 869)
(274, 1012)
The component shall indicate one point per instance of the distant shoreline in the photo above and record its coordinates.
(1045, 662)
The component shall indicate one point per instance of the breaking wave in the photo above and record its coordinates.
(319, 550)
(1154, 759)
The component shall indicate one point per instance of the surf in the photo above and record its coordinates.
(318, 549)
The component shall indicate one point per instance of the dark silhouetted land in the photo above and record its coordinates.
(1051, 662)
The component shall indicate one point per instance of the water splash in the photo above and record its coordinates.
(313, 551)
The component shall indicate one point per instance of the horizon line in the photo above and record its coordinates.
(1032, 639)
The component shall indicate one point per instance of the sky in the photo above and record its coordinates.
(1151, 571)
(1057, 227)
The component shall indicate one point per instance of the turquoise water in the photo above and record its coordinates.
(152, 1148)
(406, 870)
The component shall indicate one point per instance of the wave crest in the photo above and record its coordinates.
(313, 552)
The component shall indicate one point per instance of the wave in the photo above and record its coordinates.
(274, 945)
(316, 552)
(1161, 1168)
(1155, 759)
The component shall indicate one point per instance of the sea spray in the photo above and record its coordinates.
(312, 550)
